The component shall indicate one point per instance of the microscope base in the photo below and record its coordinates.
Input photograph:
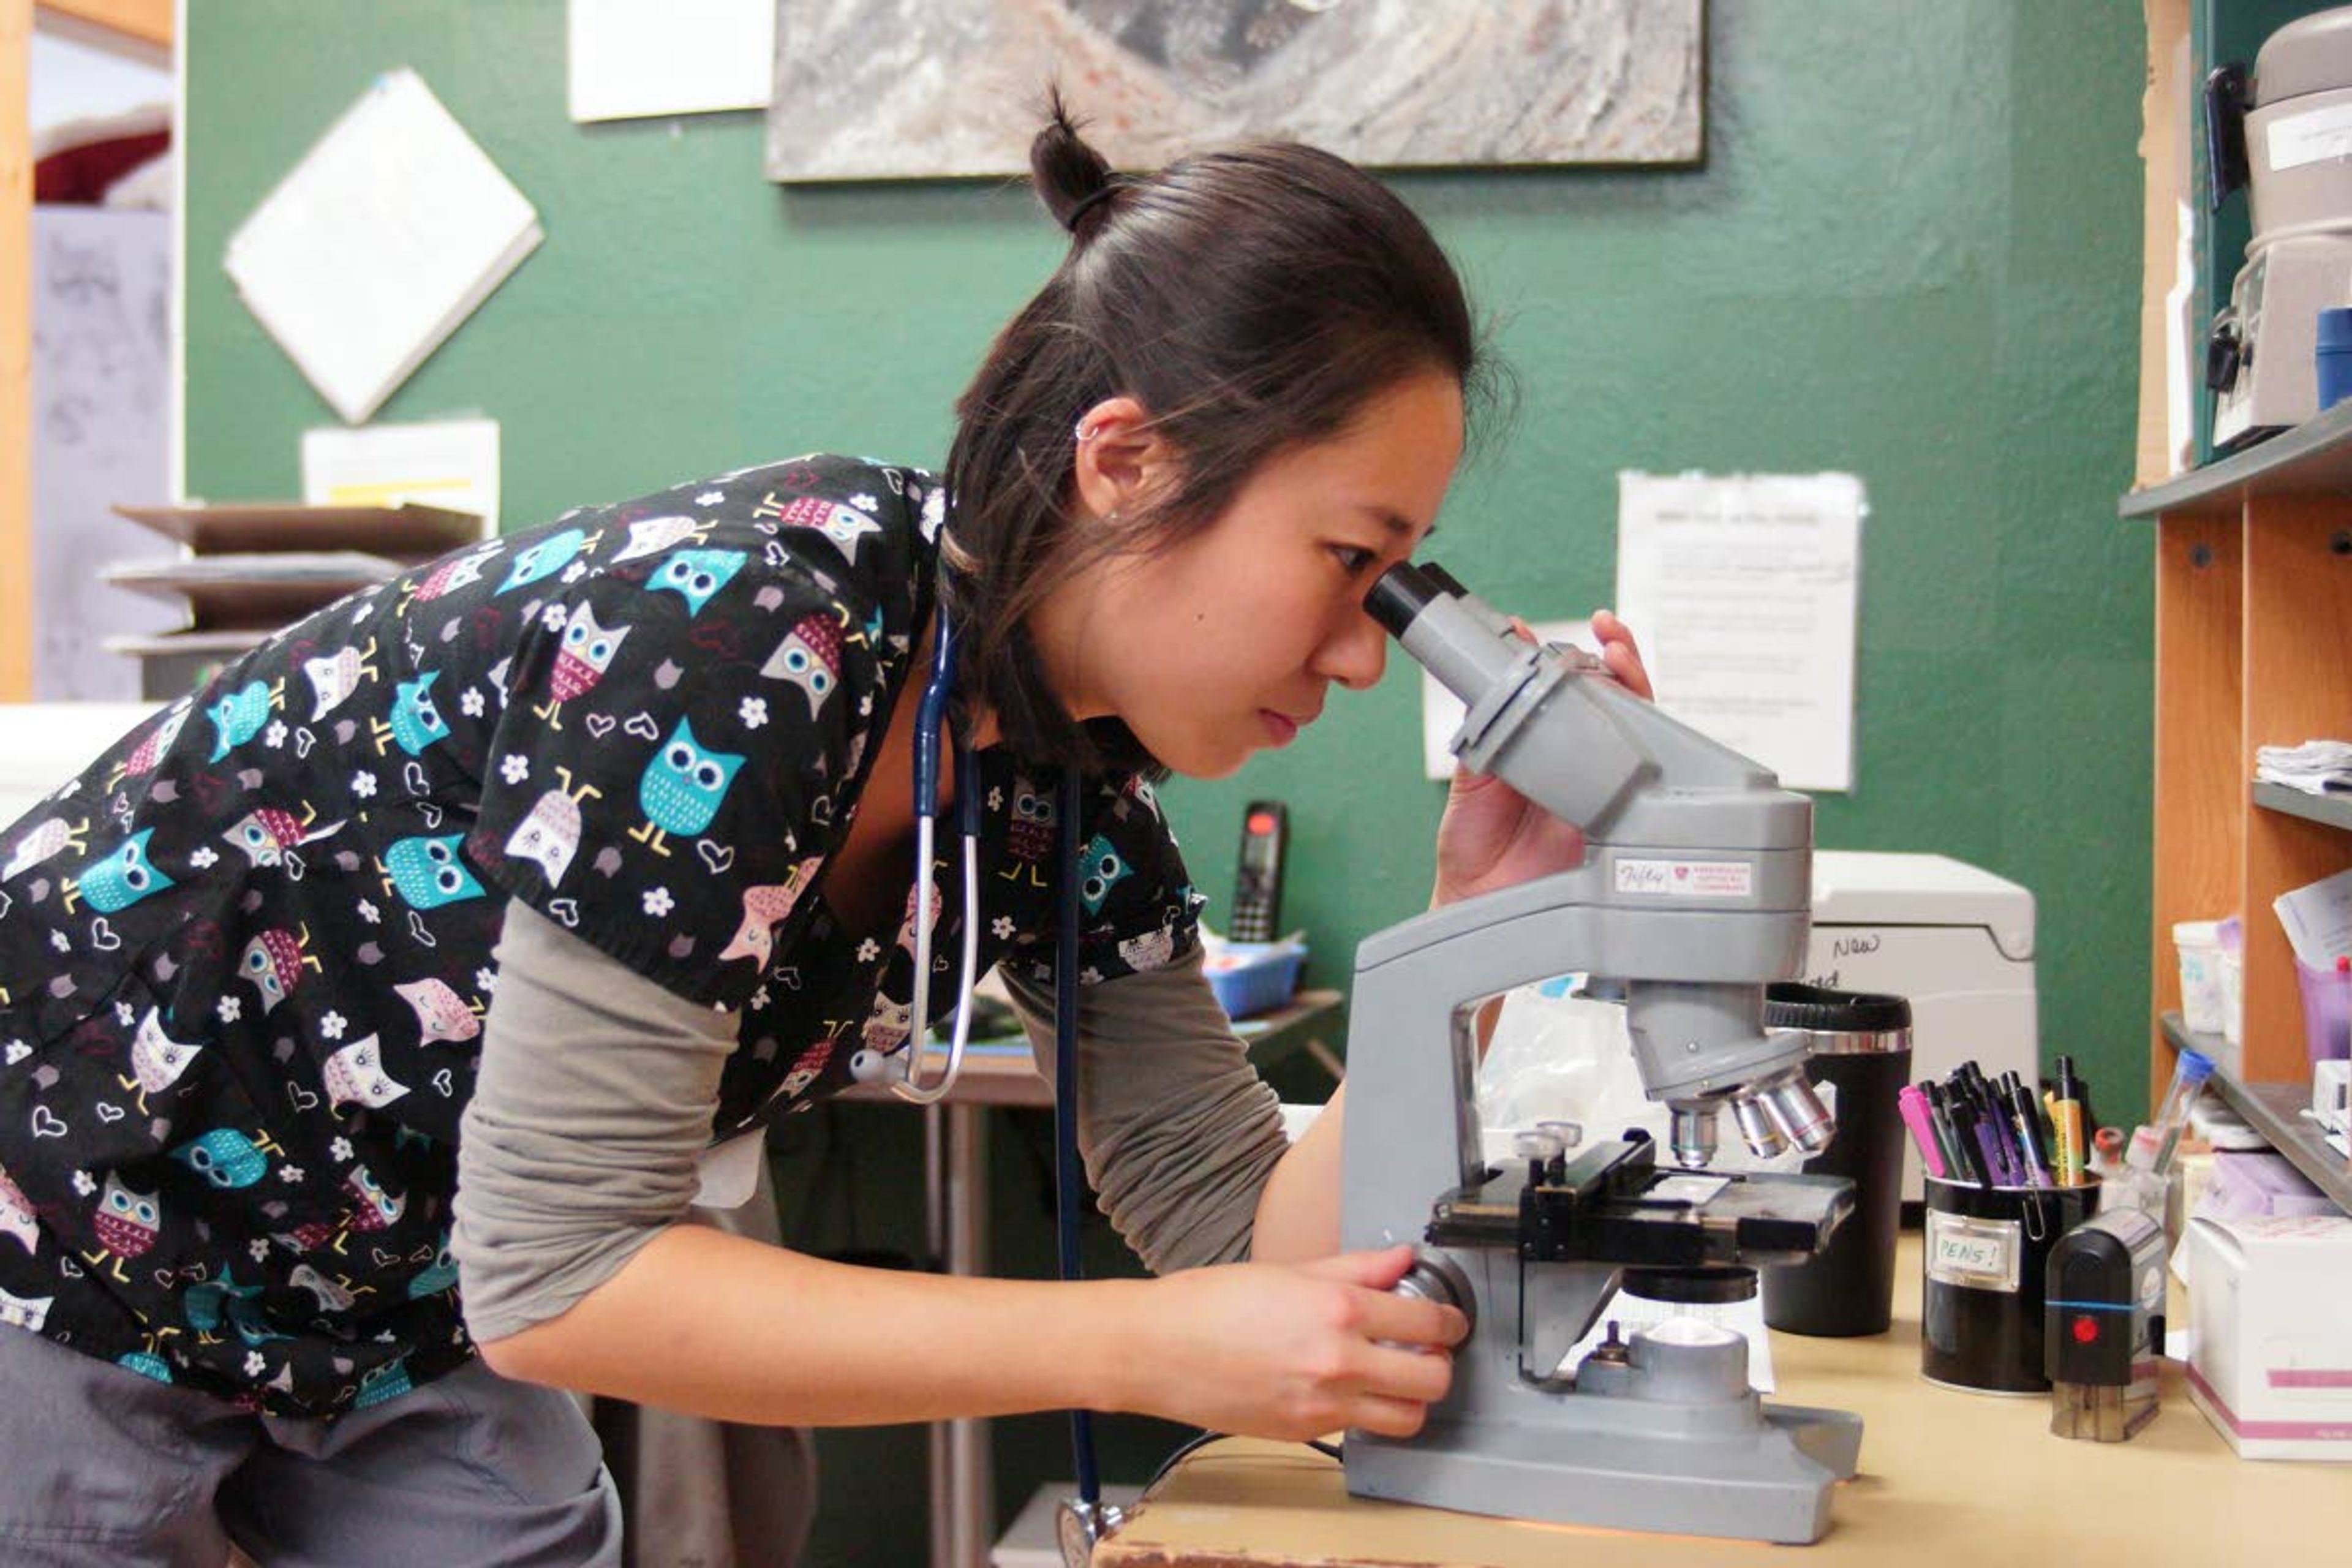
(1771, 1483)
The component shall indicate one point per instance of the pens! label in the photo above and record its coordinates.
(1977, 1254)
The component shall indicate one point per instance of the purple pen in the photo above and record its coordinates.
(1994, 1145)
(2025, 1118)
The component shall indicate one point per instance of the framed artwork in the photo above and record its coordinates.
(877, 89)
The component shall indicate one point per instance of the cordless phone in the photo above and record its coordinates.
(1258, 884)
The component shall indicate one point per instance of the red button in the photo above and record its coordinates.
(1261, 822)
(2085, 1329)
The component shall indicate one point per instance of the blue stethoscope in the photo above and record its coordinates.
(903, 1070)
(1086, 1518)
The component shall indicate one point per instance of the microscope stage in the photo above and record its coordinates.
(1613, 1205)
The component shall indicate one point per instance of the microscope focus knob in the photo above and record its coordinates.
(1434, 1277)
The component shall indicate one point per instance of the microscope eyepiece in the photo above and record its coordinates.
(1445, 580)
(1397, 599)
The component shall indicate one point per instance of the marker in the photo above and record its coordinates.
(2066, 1126)
(1921, 1121)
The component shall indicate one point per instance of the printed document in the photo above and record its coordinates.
(1742, 594)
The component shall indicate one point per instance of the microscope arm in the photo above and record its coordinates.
(1696, 889)
(1413, 1122)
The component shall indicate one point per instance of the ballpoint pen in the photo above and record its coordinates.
(1939, 1117)
(1990, 1128)
(2026, 1117)
(1976, 1152)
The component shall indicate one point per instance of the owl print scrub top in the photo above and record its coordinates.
(245, 957)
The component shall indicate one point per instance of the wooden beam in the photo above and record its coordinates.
(16, 353)
(150, 21)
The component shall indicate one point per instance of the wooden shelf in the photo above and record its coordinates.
(2314, 458)
(2275, 1110)
(2336, 810)
(2253, 645)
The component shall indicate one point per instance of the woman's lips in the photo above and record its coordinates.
(1283, 728)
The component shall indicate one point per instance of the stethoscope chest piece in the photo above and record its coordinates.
(1081, 1525)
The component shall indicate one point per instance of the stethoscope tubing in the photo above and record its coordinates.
(906, 1076)
(1069, 1191)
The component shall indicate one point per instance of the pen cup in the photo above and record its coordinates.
(1985, 1253)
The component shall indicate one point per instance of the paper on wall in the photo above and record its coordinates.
(449, 463)
(1742, 591)
(387, 234)
(629, 59)
(1442, 712)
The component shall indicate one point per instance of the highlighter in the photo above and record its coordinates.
(1913, 1105)
(2070, 1150)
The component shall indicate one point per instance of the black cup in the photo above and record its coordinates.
(1860, 1046)
(1986, 1253)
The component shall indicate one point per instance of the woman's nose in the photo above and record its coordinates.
(1355, 654)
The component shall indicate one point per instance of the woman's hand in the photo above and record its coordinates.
(1619, 652)
(1293, 1352)
(1492, 836)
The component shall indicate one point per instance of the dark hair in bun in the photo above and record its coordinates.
(1253, 299)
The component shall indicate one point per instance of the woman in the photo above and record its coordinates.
(377, 1013)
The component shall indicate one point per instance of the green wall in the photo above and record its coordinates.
(1912, 253)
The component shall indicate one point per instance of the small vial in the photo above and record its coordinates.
(2188, 1075)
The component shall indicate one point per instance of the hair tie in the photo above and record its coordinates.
(1110, 188)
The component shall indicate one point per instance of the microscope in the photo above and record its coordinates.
(1694, 894)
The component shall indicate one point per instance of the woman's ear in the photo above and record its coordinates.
(1123, 462)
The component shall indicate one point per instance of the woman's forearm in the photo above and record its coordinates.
(719, 1326)
(1298, 1209)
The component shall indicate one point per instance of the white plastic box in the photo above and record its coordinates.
(2273, 1364)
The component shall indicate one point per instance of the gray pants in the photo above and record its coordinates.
(100, 1466)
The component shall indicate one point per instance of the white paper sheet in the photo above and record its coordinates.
(390, 232)
(1441, 712)
(630, 60)
(2318, 920)
(1742, 591)
(451, 463)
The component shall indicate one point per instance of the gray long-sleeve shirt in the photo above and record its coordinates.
(594, 1099)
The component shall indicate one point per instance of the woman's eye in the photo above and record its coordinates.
(1351, 559)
